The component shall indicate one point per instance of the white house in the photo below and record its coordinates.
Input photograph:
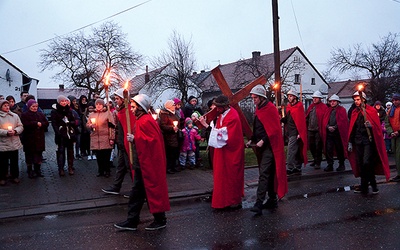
(13, 80)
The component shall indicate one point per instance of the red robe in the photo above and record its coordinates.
(320, 110)
(269, 117)
(228, 164)
(122, 119)
(342, 124)
(381, 165)
(150, 150)
(297, 113)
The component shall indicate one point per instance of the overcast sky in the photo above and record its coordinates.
(222, 31)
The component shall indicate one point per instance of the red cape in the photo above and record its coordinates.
(342, 123)
(297, 113)
(320, 110)
(269, 117)
(228, 164)
(150, 150)
(381, 165)
(122, 119)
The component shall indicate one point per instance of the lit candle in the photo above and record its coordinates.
(175, 123)
(93, 121)
(10, 128)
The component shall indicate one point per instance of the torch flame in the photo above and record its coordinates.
(276, 86)
(126, 85)
(108, 78)
(360, 87)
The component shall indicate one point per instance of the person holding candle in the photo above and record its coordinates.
(35, 125)
(10, 129)
(148, 169)
(170, 132)
(64, 126)
(102, 124)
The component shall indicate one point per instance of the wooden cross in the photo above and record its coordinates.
(234, 99)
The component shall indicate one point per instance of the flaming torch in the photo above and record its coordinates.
(360, 89)
(106, 85)
(128, 117)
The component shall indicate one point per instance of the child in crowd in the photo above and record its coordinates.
(188, 148)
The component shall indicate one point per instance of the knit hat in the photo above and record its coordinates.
(71, 98)
(61, 98)
(169, 105)
(99, 101)
(2, 102)
(188, 121)
(177, 100)
(378, 103)
(396, 96)
(191, 98)
(30, 103)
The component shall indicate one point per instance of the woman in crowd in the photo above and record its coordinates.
(35, 124)
(101, 123)
(13, 106)
(10, 129)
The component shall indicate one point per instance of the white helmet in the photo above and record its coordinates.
(120, 92)
(293, 93)
(358, 94)
(334, 97)
(389, 104)
(317, 94)
(259, 90)
(143, 100)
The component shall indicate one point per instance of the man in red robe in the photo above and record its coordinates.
(314, 116)
(228, 160)
(367, 153)
(296, 131)
(334, 131)
(268, 140)
(148, 169)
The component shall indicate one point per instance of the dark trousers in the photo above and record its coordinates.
(137, 198)
(172, 154)
(334, 143)
(121, 169)
(266, 163)
(6, 158)
(61, 147)
(103, 160)
(365, 165)
(85, 144)
(315, 146)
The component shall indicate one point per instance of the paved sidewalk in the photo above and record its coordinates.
(52, 193)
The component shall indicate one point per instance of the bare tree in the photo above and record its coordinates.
(83, 61)
(381, 61)
(179, 64)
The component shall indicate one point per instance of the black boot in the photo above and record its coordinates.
(30, 172)
(37, 170)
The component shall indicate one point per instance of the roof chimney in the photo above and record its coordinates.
(256, 54)
(61, 87)
(147, 76)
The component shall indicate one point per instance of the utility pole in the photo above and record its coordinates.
(277, 56)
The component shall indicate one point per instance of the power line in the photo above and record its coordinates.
(81, 28)
(298, 29)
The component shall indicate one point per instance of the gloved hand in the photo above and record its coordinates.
(350, 147)
(130, 137)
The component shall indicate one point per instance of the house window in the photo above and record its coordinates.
(297, 79)
(296, 59)
(313, 81)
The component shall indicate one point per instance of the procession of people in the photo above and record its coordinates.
(153, 145)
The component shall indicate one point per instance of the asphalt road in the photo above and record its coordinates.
(317, 214)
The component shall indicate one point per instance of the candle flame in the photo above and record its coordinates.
(175, 123)
(9, 128)
(93, 120)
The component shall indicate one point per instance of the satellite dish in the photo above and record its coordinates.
(8, 77)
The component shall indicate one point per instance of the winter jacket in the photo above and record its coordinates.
(167, 128)
(190, 136)
(10, 143)
(104, 130)
(33, 137)
(63, 123)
